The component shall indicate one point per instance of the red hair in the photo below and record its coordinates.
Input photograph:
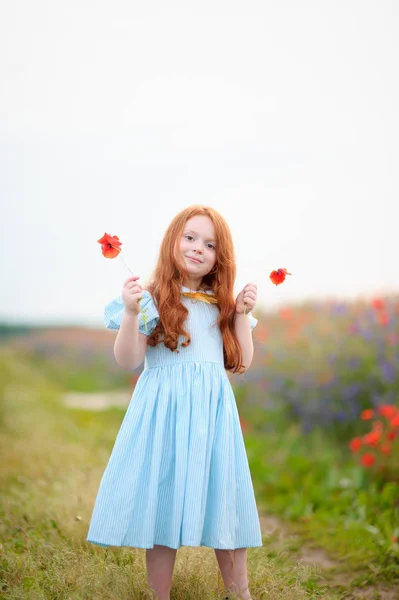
(169, 275)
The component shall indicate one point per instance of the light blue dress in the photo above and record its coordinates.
(178, 474)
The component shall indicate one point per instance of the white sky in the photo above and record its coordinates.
(115, 116)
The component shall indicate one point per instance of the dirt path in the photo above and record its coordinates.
(336, 574)
(97, 400)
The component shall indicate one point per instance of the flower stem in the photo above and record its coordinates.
(142, 311)
(123, 260)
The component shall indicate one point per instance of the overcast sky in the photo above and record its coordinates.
(116, 115)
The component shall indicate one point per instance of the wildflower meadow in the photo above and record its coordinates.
(319, 411)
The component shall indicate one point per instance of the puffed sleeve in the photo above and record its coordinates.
(148, 316)
(252, 321)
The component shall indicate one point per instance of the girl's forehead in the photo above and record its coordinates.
(201, 224)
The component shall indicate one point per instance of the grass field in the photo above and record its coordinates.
(330, 523)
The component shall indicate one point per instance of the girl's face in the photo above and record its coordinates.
(198, 246)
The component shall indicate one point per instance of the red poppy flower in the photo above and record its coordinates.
(286, 313)
(368, 459)
(387, 410)
(355, 444)
(378, 303)
(279, 276)
(110, 245)
(395, 421)
(367, 414)
(383, 318)
(373, 438)
(386, 448)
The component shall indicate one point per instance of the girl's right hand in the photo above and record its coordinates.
(132, 292)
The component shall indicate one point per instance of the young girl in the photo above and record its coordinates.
(178, 474)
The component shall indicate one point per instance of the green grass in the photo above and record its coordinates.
(52, 462)
(328, 500)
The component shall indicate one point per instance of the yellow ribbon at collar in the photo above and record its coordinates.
(200, 296)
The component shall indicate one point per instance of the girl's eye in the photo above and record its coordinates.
(190, 237)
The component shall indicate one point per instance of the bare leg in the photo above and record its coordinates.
(233, 567)
(160, 561)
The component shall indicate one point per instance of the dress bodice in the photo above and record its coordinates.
(206, 343)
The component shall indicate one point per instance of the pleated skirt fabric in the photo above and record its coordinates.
(178, 474)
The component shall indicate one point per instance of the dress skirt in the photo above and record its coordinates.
(178, 474)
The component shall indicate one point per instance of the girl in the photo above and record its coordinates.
(178, 474)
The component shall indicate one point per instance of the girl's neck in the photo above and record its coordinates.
(193, 285)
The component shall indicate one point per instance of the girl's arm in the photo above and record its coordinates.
(245, 302)
(130, 345)
(244, 335)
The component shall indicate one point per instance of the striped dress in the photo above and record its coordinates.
(178, 474)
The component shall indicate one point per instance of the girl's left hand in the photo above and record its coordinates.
(246, 299)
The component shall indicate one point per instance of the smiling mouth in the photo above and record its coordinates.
(195, 260)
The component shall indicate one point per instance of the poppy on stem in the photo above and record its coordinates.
(368, 459)
(279, 276)
(111, 248)
(356, 444)
(367, 414)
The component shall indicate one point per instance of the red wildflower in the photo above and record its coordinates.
(262, 333)
(368, 459)
(395, 421)
(373, 438)
(386, 448)
(355, 444)
(378, 303)
(387, 410)
(391, 435)
(286, 313)
(383, 318)
(110, 245)
(279, 276)
(367, 414)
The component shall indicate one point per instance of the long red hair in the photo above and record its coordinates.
(169, 275)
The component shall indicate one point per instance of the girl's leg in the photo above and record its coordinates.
(233, 567)
(160, 562)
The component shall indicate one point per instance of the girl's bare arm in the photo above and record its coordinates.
(244, 335)
(130, 345)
